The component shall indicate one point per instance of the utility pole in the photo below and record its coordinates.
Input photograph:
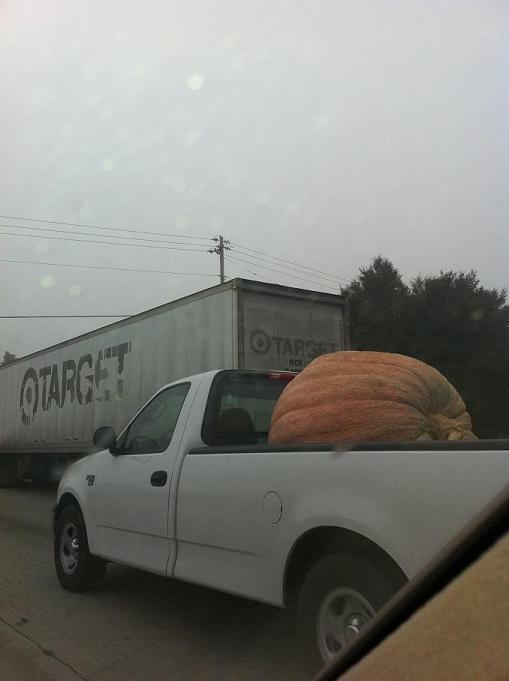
(222, 246)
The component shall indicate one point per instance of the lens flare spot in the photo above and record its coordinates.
(262, 198)
(47, 281)
(178, 185)
(321, 121)
(181, 224)
(107, 164)
(42, 248)
(292, 207)
(237, 63)
(75, 290)
(196, 81)
(122, 132)
(192, 138)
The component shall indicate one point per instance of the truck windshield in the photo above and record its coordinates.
(240, 406)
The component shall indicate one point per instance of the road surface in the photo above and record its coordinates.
(135, 626)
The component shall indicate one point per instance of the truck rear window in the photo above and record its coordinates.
(240, 406)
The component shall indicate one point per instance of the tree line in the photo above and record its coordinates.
(449, 321)
(8, 358)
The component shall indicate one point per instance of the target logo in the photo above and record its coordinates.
(88, 379)
(260, 342)
(29, 397)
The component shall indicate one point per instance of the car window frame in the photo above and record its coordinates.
(120, 449)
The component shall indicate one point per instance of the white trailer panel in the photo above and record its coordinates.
(288, 331)
(53, 400)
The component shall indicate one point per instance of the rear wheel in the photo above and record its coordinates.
(339, 595)
(77, 569)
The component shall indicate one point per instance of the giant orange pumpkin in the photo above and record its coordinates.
(369, 396)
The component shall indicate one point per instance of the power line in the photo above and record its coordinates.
(265, 278)
(294, 269)
(64, 316)
(248, 271)
(110, 236)
(290, 262)
(254, 264)
(297, 267)
(116, 269)
(308, 281)
(163, 234)
(271, 259)
(95, 241)
(280, 272)
(111, 229)
(255, 274)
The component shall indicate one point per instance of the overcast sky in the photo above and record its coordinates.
(321, 132)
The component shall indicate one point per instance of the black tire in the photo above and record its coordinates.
(39, 470)
(351, 590)
(8, 470)
(77, 569)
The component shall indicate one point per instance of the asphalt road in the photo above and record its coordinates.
(135, 626)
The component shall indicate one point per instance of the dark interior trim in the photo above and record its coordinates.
(255, 449)
(421, 446)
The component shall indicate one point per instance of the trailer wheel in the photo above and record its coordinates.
(339, 595)
(39, 470)
(8, 470)
(77, 569)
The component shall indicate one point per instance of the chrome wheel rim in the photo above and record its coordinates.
(69, 548)
(342, 614)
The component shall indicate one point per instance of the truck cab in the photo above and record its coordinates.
(128, 492)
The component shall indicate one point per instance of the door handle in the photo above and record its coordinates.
(159, 478)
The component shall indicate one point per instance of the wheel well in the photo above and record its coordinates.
(322, 541)
(66, 499)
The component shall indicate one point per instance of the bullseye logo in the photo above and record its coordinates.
(29, 397)
(260, 342)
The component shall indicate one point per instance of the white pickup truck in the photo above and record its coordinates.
(192, 490)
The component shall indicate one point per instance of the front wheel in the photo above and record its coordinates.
(77, 569)
(339, 595)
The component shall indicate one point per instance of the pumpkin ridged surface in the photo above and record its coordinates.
(369, 396)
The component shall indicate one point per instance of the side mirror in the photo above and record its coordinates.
(105, 438)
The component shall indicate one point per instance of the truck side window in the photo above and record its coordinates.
(152, 430)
